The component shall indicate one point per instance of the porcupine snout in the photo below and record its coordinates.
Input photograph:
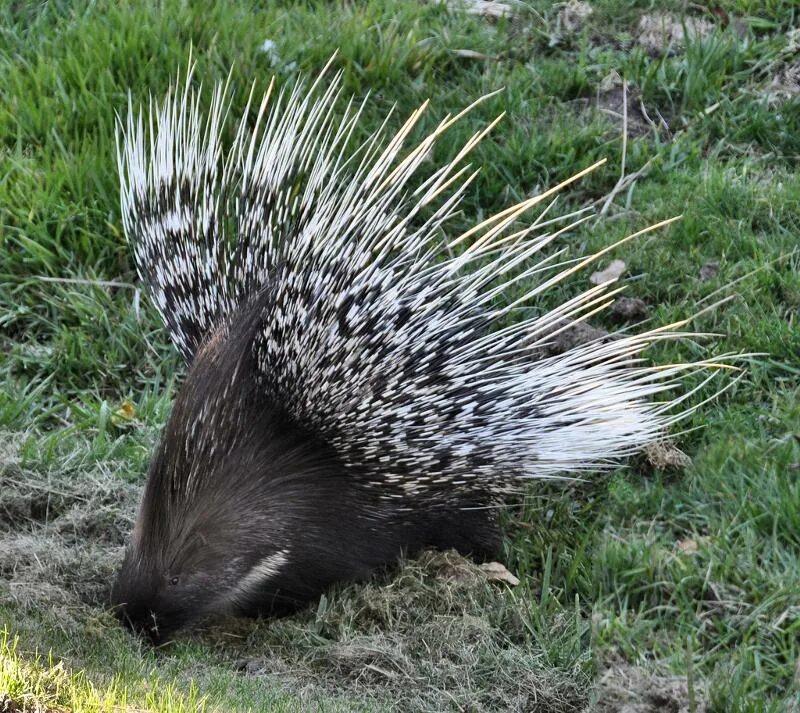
(154, 603)
(134, 611)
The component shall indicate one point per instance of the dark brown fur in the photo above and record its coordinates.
(261, 489)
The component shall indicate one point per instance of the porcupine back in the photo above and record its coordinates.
(380, 335)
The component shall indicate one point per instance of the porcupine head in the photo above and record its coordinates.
(355, 387)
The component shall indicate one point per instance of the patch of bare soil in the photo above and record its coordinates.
(629, 309)
(629, 689)
(624, 108)
(572, 18)
(661, 33)
(785, 84)
(60, 538)
(709, 271)
(569, 335)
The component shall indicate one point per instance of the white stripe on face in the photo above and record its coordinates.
(262, 571)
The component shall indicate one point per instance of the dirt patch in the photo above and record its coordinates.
(629, 309)
(575, 335)
(785, 84)
(664, 34)
(624, 107)
(61, 538)
(709, 271)
(629, 689)
(615, 101)
(573, 16)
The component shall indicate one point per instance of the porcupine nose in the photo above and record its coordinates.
(135, 612)
(141, 620)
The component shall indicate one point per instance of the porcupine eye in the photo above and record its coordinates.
(174, 581)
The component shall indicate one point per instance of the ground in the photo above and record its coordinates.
(670, 584)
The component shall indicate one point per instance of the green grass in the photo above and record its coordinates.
(607, 581)
(42, 681)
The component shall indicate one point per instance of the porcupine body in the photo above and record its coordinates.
(354, 388)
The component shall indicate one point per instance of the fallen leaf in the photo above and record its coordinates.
(496, 572)
(126, 412)
(609, 274)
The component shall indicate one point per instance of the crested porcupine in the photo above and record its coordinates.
(355, 387)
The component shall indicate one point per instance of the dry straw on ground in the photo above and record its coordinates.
(440, 633)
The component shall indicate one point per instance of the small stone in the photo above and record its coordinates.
(473, 54)
(485, 8)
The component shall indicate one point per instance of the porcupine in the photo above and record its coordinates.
(355, 387)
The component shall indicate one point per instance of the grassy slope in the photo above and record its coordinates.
(606, 561)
